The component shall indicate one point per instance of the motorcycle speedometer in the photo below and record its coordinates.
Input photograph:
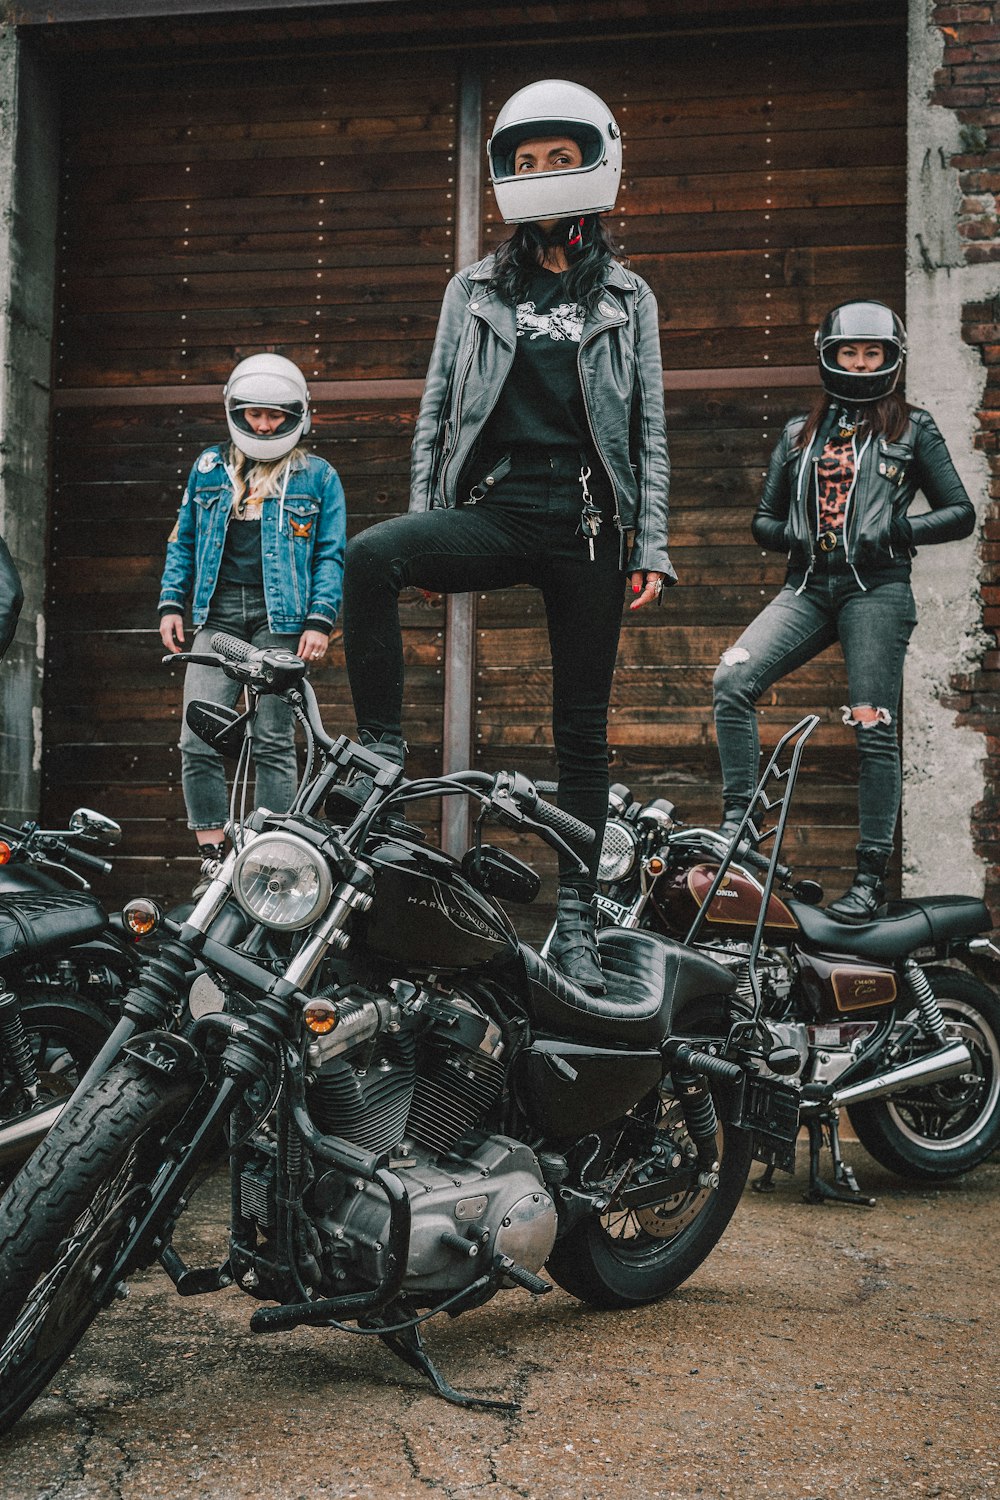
(618, 851)
(282, 881)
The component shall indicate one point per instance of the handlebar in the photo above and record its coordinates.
(86, 861)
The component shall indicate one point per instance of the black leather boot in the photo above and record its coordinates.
(732, 817)
(573, 949)
(862, 902)
(212, 856)
(391, 747)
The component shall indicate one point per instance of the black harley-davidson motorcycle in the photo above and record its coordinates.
(892, 1020)
(418, 1110)
(65, 967)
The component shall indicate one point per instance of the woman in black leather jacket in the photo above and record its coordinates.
(836, 498)
(539, 456)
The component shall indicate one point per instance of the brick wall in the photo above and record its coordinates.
(968, 82)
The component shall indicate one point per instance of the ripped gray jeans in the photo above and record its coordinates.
(874, 629)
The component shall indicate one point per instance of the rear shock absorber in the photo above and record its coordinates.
(14, 1043)
(698, 1109)
(930, 1012)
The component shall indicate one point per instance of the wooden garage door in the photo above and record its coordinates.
(311, 206)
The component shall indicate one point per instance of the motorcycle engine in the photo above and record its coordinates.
(419, 1093)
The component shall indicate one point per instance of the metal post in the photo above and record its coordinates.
(460, 632)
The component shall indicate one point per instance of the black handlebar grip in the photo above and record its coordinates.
(548, 788)
(86, 861)
(563, 823)
(232, 648)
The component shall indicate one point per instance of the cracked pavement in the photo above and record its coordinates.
(820, 1353)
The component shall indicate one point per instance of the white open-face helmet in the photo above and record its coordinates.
(554, 107)
(271, 381)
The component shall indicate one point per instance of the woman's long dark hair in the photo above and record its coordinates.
(886, 418)
(518, 258)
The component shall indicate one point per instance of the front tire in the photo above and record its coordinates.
(66, 1216)
(944, 1129)
(627, 1257)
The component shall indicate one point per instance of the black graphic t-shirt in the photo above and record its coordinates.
(541, 408)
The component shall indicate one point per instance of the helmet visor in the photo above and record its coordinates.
(504, 144)
(291, 412)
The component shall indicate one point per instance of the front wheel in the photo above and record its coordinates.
(943, 1129)
(66, 1216)
(629, 1256)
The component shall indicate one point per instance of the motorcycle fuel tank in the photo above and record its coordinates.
(736, 904)
(426, 915)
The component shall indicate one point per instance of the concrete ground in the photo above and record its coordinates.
(820, 1353)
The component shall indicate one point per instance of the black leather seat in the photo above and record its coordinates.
(921, 923)
(34, 923)
(648, 977)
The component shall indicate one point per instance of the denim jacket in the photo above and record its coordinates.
(877, 530)
(302, 544)
(622, 381)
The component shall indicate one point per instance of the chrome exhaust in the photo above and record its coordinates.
(18, 1140)
(947, 1063)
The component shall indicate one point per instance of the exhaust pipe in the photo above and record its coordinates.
(17, 1141)
(950, 1061)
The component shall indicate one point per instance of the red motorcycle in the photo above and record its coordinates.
(891, 1020)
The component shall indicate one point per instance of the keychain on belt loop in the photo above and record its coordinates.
(590, 515)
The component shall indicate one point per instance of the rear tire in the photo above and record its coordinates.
(943, 1129)
(66, 1215)
(627, 1257)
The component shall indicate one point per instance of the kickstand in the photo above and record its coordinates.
(844, 1188)
(765, 1182)
(408, 1346)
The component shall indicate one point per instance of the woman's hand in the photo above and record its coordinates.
(647, 587)
(172, 632)
(312, 645)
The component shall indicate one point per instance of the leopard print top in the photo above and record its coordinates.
(835, 475)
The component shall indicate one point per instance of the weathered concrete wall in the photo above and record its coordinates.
(28, 196)
(944, 761)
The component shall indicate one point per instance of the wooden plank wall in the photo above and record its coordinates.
(309, 206)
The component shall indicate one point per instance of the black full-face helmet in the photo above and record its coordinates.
(857, 323)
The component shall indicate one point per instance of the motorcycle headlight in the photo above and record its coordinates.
(618, 851)
(282, 881)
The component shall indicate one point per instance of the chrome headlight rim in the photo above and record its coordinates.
(300, 856)
(619, 852)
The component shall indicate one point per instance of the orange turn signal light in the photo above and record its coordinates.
(320, 1017)
(656, 865)
(5, 853)
(141, 916)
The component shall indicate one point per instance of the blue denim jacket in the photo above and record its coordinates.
(302, 544)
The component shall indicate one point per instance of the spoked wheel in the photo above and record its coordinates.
(66, 1216)
(630, 1255)
(943, 1129)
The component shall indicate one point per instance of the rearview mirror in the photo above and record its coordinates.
(221, 727)
(94, 825)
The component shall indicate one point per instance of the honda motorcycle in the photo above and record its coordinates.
(419, 1112)
(890, 1020)
(64, 970)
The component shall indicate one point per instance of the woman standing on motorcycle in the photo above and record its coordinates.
(539, 456)
(258, 552)
(835, 498)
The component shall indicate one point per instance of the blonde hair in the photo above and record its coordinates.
(262, 480)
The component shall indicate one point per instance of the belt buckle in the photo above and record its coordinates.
(828, 541)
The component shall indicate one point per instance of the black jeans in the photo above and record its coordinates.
(523, 532)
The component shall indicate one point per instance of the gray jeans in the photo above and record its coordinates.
(243, 613)
(874, 629)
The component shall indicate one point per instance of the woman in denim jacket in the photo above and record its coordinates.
(836, 497)
(539, 456)
(257, 552)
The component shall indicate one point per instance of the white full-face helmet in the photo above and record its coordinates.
(555, 107)
(271, 381)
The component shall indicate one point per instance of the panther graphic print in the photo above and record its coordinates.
(563, 322)
(835, 476)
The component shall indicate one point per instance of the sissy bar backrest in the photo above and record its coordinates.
(774, 790)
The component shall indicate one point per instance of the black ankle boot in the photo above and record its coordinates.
(732, 817)
(867, 894)
(391, 747)
(573, 950)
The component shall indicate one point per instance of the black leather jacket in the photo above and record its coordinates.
(877, 530)
(622, 382)
(11, 597)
